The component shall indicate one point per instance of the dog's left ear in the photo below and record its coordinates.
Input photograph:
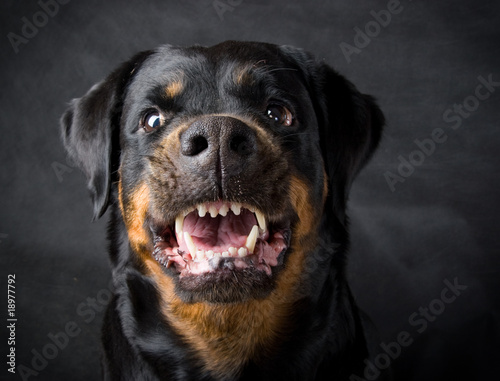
(350, 128)
(90, 127)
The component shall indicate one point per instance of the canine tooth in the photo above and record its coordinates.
(233, 251)
(223, 210)
(225, 254)
(179, 224)
(252, 239)
(190, 244)
(213, 211)
(261, 220)
(236, 208)
(202, 210)
(242, 252)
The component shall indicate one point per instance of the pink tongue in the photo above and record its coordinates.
(219, 233)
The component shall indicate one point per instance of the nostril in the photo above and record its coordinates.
(200, 144)
(194, 145)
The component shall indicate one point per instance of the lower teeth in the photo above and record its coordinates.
(232, 252)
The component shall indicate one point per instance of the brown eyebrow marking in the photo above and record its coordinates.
(173, 89)
(242, 75)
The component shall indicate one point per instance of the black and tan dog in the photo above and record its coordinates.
(227, 171)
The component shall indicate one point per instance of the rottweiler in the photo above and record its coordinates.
(226, 170)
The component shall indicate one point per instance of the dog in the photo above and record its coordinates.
(227, 171)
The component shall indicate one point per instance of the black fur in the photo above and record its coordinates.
(338, 130)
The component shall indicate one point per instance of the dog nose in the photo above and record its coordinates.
(218, 143)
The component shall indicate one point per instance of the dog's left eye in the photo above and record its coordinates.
(280, 114)
(151, 121)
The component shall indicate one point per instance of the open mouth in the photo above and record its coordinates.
(221, 235)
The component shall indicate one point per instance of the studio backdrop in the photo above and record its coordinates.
(424, 254)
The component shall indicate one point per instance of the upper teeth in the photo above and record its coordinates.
(236, 208)
(202, 210)
(222, 211)
(179, 225)
(261, 220)
(213, 211)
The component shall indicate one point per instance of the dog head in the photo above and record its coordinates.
(227, 161)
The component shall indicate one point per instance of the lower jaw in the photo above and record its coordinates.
(222, 280)
(225, 285)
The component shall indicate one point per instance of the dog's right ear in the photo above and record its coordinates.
(90, 127)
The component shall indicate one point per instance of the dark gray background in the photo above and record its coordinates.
(440, 223)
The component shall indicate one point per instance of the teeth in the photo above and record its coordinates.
(223, 210)
(252, 239)
(179, 224)
(261, 220)
(236, 208)
(190, 244)
(202, 210)
(200, 255)
(213, 211)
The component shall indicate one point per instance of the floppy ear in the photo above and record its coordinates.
(350, 128)
(90, 131)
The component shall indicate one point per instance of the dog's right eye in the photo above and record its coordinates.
(151, 121)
